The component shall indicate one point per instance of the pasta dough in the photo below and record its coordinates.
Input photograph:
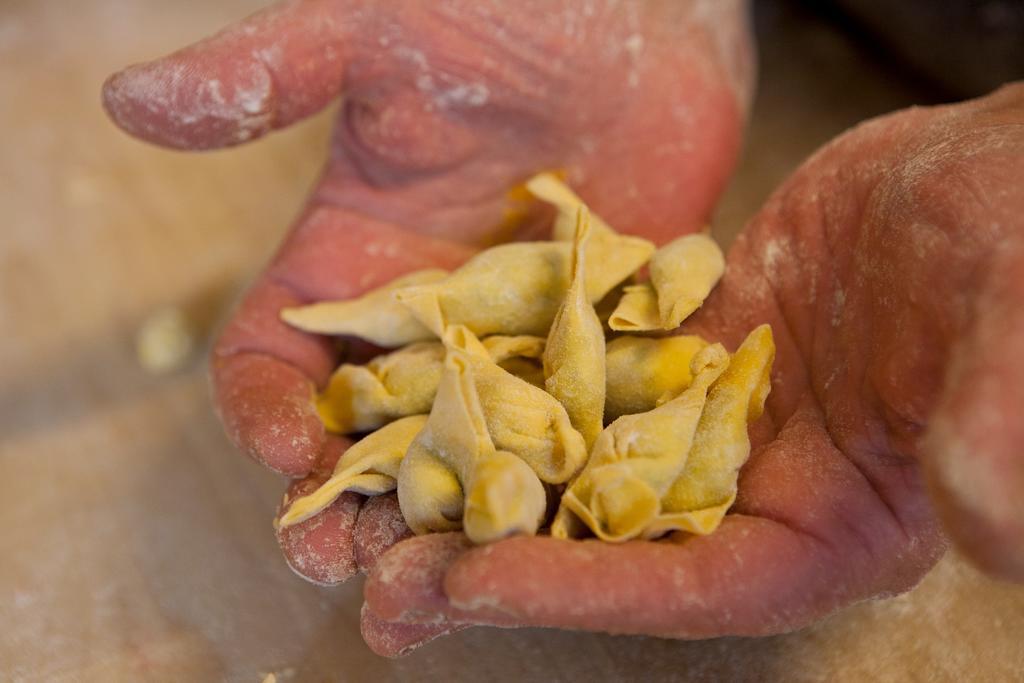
(370, 466)
(683, 273)
(359, 398)
(376, 316)
(521, 418)
(363, 397)
(643, 373)
(636, 459)
(637, 310)
(547, 187)
(494, 407)
(574, 360)
(517, 288)
(454, 453)
(706, 489)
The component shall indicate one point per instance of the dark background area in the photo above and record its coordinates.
(963, 47)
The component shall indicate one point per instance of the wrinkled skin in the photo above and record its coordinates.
(890, 266)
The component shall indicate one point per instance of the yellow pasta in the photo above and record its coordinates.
(375, 316)
(636, 459)
(547, 187)
(370, 466)
(574, 357)
(637, 310)
(517, 288)
(493, 408)
(363, 397)
(502, 494)
(521, 418)
(643, 373)
(706, 488)
(683, 273)
(504, 498)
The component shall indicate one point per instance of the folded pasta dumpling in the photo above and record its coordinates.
(683, 273)
(517, 288)
(574, 356)
(635, 461)
(375, 316)
(363, 397)
(643, 372)
(453, 476)
(549, 188)
(637, 310)
(521, 418)
(370, 466)
(359, 398)
(706, 488)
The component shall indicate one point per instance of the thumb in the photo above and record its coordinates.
(264, 73)
(974, 447)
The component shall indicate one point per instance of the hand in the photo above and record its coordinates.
(891, 268)
(446, 105)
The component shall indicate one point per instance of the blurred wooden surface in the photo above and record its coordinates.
(137, 545)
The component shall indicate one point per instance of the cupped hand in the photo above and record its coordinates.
(445, 106)
(891, 268)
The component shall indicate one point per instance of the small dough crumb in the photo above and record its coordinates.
(165, 341)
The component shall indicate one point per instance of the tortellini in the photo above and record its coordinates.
(363, 397)
(453, 476)
(522, 418)
(642, 372)
(574, 357)
(637, 458)
(706, 489)
(359, 398)
(499, 395)
(370, 467)
(375, 316)
(683, 273)
(547, 187)
(674, 467)
(517, 288)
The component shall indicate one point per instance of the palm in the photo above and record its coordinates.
(445, 107)
(833, 506)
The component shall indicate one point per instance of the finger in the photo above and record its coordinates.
(264, 372)
(395, 639)
(270, 70)
(320, 549)
(380, 526)
(672, 191)
(264, 376)
(973, 451)
(694, 590)
(812, 534)
(417, 566)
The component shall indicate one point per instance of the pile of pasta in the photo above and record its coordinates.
(491, 415)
